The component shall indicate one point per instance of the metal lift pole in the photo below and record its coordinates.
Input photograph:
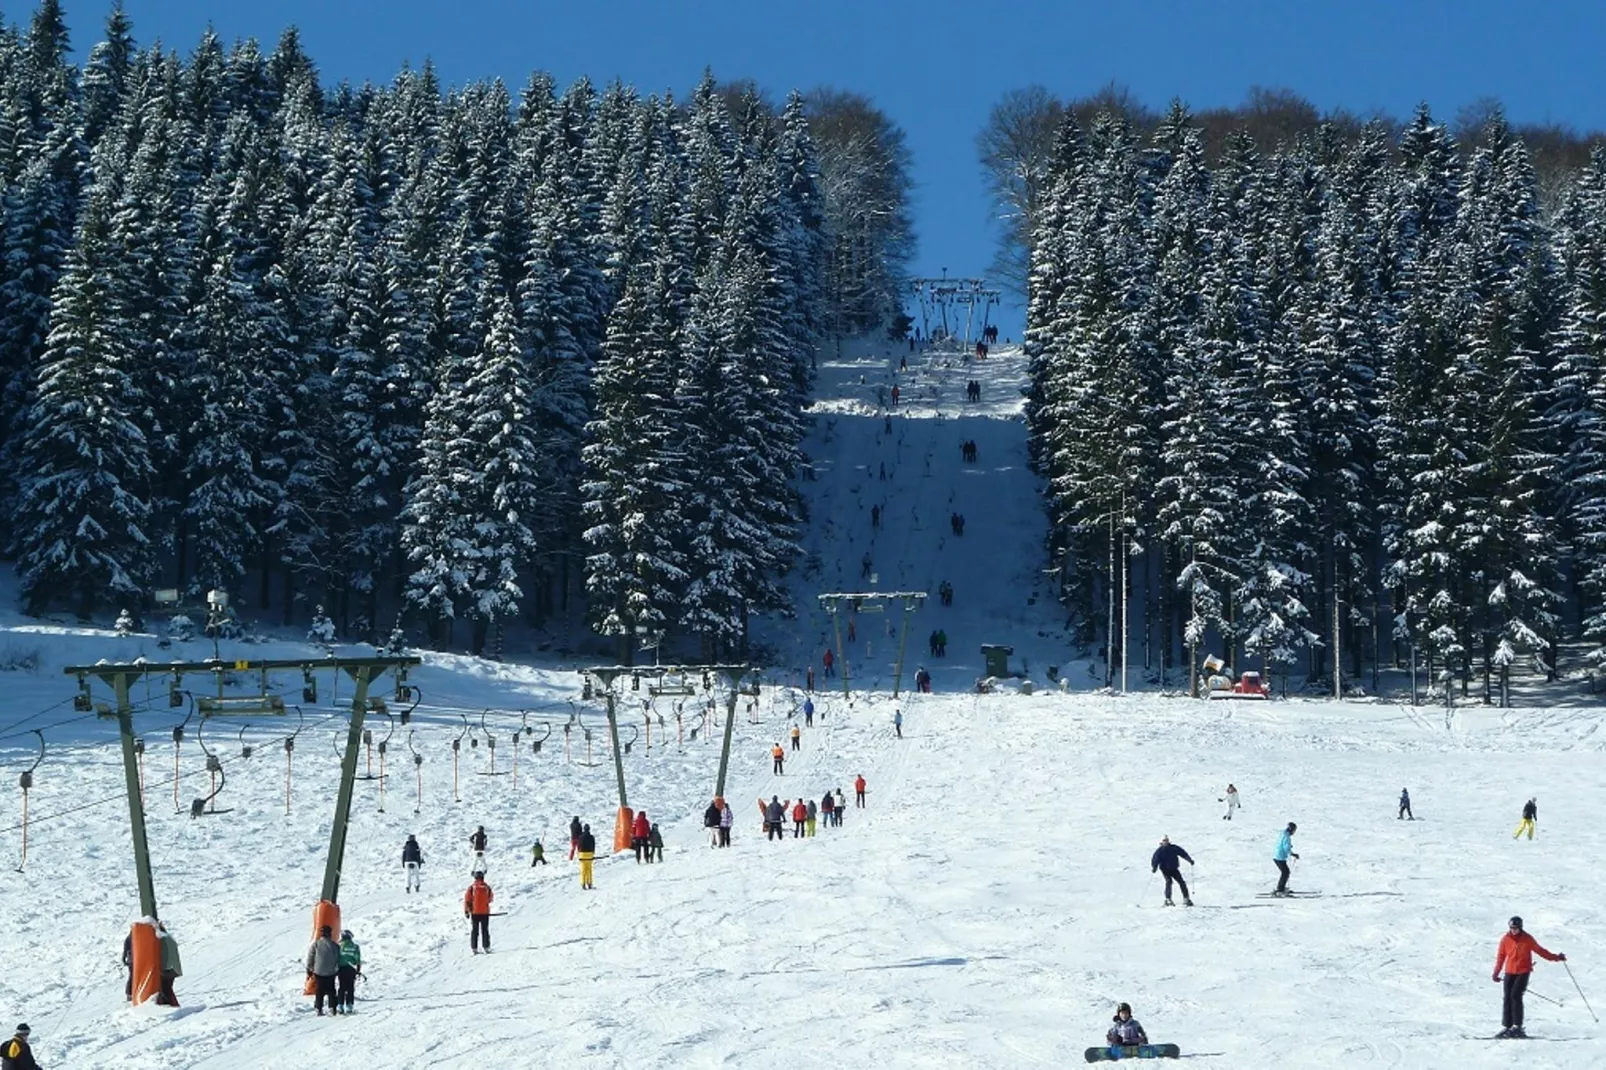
(348, 779)
(618, 755)
(903, 637)
(136, 808)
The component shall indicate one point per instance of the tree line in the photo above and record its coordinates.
(453, 353)
(1338, 397)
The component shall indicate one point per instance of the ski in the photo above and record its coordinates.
(1287, 895)
(1132, 1051)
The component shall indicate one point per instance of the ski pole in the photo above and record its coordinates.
(1547, 999)
(1581, 995)
(1146, 885)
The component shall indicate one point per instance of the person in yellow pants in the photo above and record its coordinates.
(588, 854)
(1530, 819)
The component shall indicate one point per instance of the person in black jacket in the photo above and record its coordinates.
(587, 843)
(1165, 861)
(711, 823)
(574, 836)
(412, 862)
(16, 1054)
(128, 960)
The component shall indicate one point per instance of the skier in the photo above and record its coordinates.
(779, 757)
(1231, 799)
(575, 829)
(323, 966)
(897, 722)
(346, 976)
(808, 712)
(853, 629)
(774, 818)
(711, 823)
(808, 683)
(726, 820)
(828, 809)
(1125, 1029)
(1285, 851)
(875, 516)
(477, 841)
(655, 845)
(859, 788)
(1405, 805)
(1164, 862)
(640, 833)
(587, 844)
(477, 908)
(797, 738)
(1515, 956)
(841, 806)
(1530, 818)
(866, 564)
(814, 815)
(172, 967)
(923, 681)
(17, 1055)
(800, 817)
(828, 659)
(128, 960)
(413, 862)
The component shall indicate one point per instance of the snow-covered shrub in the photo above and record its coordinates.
(181, 628)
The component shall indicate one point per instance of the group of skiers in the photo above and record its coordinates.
(967, 451)
(334, 968)
(938, 643)
(804, 814)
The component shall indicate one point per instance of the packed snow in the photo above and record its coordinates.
(987, 908)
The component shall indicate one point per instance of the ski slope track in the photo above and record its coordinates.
(988, 908)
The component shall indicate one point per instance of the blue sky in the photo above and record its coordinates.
(937, 66)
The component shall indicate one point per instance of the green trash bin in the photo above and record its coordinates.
(996, 658)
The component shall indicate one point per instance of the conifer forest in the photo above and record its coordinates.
(461, 355)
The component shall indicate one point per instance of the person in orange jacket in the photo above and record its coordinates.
(858, 791)
(1515, 956)
(779, 755)
(800, 815)
(797, 738)
(477, 907)
(640, 833)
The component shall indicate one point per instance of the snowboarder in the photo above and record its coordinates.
(897, 722)
(1515, 956)
(575, 829)
(587, 844)
(859, 788)
(323, 966)
(1165, 863)
(1530, 818)
(726, 820)
(172, 966)
(797, 738)
(1125, 1029)
(17, 1055)
(1231, 799)
(655, 844)
(640, 836)
(1405, 805)
(477, 908)
(779, 757)
(537, 855)
(711, 823)
(1285, 851)
(346, 976)
(808, 712)
(413, 862)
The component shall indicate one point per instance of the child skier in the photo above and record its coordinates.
(413, 862)
(537, 855)
(346, 976)
(1231, 799)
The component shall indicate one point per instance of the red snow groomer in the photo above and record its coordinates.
(1220, 686)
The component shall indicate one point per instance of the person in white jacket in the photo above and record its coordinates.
(1231, 799)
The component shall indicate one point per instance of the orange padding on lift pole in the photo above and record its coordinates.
(147, 954)
(621, 829)
(325, 913)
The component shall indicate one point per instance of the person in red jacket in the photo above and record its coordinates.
(640, 834)
(858, 791)
(828, 659)
(477, 906)
(800, 816)
(1516, 957)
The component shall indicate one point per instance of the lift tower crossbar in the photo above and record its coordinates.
(870, 602)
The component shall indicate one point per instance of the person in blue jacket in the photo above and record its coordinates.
(1285, 851)
(1405, 805)
(1165, 861)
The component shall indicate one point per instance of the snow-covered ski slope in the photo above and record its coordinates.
(988, 909)
(1001, 594)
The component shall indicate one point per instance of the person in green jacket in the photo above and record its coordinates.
(346, 978)
(537, 855)
(172, 966)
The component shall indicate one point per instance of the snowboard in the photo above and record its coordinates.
(1132, 1051)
